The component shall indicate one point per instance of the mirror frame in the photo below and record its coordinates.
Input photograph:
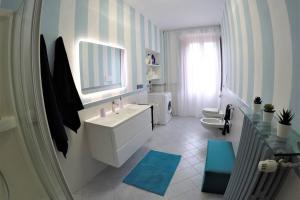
(100, 88)
(101, 96)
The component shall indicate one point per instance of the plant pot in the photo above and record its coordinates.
(256, 108)
(268, 116)
(283, 130)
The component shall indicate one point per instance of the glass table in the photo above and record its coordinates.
(289, 146)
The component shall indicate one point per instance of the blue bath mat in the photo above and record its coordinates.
(154, 172)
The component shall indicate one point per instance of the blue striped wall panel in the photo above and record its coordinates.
(51, 11)
(265, 30)
(250, 51)
(232, 48)
(120, 21)
(293, 7)
(133, 46)
(103, 25)
(50, 27)
(268, 50)
(143, 47)
(240, 50)
(10, 4)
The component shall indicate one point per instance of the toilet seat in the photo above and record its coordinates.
(215, 123)
(211, 110)
(212, 113)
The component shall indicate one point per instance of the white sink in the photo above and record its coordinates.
(115, 119)
(114, 138)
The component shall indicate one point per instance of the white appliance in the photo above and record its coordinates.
(164, 102)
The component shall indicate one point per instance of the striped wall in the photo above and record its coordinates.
(108, 21)
(10, 4)
(261, 41)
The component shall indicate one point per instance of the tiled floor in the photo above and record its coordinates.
(184, 136)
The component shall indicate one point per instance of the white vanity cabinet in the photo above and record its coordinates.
(116, 137)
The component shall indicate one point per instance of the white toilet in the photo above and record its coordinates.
(214, 118)
(212, 113)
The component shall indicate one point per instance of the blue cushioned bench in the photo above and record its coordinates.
(219, 164)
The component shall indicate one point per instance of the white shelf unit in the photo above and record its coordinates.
(153, 69)
(7, 123)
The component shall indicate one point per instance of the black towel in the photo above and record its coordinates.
(226, 119)
(55, 121)
(65, 89)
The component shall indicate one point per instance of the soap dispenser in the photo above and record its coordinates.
(113, 107)
(121, 103)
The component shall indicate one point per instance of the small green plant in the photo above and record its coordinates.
(269, 108)
(257, 100)
(285, 117)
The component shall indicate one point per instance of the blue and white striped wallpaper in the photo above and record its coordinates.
(108, 21)
(261, 41)
(10, 4)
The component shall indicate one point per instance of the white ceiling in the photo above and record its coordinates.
(176, 14)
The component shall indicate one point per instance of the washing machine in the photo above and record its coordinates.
(164, 105)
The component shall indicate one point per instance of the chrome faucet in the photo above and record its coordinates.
(115, 104)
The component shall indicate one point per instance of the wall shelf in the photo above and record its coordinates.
(7, 123)
(280, 146)
(153, 71)
(268, 131)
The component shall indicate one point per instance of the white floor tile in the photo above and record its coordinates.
(179, 188)
(183, 136)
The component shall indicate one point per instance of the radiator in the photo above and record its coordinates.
(246, 182)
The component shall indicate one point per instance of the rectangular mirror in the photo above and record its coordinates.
(100, 67)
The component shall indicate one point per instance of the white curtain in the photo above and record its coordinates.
(198, 69)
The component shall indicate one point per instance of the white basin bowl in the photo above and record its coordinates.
(212, 123)
(115, 119)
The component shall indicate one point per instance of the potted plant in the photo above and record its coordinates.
(284, 123)
(268, 113)
(257, 104)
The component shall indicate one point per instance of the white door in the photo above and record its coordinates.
(29, 169)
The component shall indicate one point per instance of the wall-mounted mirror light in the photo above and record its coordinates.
(101, 67)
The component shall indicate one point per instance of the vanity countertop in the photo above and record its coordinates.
(112, 120)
